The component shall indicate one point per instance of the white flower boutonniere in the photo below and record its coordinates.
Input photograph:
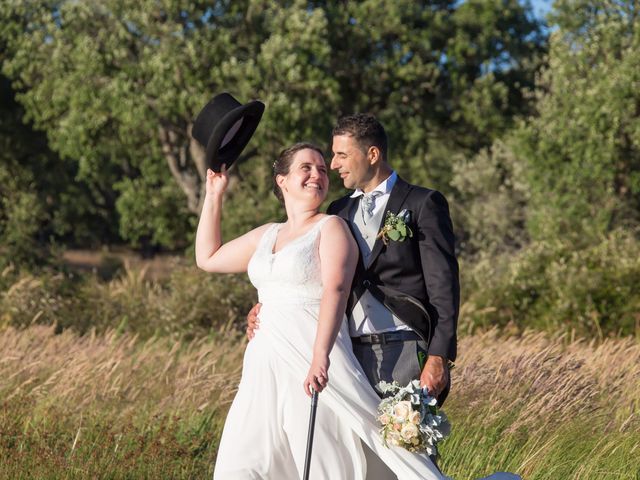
(395, 227)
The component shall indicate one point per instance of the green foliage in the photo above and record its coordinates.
(20, 217)
(116, 86)
(583, 147)
(189, 303)
(444, 78)
(40, 203)
(553, 286)
(567, 178)
(126, 81)
(162, 220)
(491, 204)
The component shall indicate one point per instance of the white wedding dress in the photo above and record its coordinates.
(265, 433)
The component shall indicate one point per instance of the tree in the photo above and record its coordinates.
(445, 77)
(40, 203)
(116, 86)
(583, 147)
(492, 201)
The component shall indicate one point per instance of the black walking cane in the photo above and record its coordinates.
(312, 423)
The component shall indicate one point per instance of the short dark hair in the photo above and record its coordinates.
(283, 164)
(366, 129)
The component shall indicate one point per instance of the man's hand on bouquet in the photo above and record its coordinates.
(435, 375)
(253, 322)
(318, 376)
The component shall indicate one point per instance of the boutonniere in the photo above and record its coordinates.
(395, 227)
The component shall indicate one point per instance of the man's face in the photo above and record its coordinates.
(352, 164)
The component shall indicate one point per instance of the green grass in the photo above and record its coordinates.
(112, 406)
(576, 448)
(545, 409)
(95, 445)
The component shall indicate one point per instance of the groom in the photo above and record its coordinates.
(403, 306)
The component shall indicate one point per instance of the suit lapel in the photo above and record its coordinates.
(398, 194)
(346, 209)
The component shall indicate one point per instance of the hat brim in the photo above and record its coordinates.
(218, 154)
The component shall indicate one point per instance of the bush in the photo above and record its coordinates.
(189, 303)
(549, 285)
(490, 206)
(21, 218)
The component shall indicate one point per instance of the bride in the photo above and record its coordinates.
(302, 269)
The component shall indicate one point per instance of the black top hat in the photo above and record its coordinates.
(224, 127)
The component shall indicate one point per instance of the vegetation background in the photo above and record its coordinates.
(529, 126)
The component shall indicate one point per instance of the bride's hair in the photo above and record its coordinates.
(283, 164)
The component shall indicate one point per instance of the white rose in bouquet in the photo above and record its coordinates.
(401, 411)
(414, 417)
(385, 419)
(409, 431)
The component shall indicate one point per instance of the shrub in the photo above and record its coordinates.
(489, 208)
(593, 291)
(190, 302)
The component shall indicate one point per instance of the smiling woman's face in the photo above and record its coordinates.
(307, 179)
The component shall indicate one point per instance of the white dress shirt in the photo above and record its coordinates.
(384, 188)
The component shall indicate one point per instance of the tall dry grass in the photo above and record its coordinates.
(554, 377)
(117, 371)
(115, 406)
(112, 406)
(547, 408)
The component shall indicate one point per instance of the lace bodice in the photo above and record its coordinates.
(291, 275)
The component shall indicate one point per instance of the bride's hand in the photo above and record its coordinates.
(318, 376)
(217, 182)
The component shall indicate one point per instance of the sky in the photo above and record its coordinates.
(541, 7)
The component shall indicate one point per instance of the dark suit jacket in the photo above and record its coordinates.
(417, 279)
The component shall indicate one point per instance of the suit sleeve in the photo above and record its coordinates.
(440, 270)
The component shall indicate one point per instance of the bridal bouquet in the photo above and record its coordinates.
(409, 418)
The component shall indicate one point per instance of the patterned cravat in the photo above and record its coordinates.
(368, 204)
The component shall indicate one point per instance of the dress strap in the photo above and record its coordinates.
(322, 221)
(268, 236)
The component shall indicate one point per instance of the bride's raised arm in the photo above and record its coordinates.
(211, 254)
(338, 258)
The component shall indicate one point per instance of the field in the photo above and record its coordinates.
(114, 406)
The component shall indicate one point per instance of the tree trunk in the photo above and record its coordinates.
(182, 158)
(178, 155)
